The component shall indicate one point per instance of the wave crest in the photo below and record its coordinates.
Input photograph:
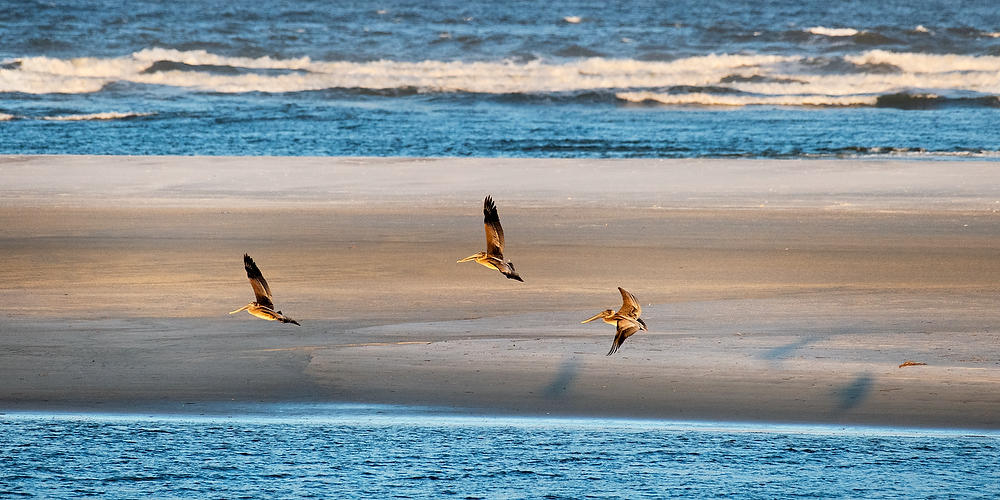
(853, 80)
(108, 115)
(708, 99)
(833, 32)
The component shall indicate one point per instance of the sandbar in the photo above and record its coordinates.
(780, 291)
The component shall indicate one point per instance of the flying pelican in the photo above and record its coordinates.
(626, 320)
(263, 307)
(493, 256)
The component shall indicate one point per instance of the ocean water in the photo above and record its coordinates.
(344, 451)
(590, 79)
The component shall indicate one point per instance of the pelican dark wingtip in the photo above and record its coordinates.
(511, 273)
(253, 272)
(490, 213)
(614, 347)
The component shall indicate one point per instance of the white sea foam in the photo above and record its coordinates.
(920, 153)
(703, 99)
(201, 57)
(109, 115)
(929, 64)
(573, 19)
(83, 75)
(771, 79)
(835, 32)
(5, 117)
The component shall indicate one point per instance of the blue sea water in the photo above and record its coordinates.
(350, 451)
(585, 79)
(593, 79)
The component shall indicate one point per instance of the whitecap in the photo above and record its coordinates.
(108, 115)
(205, 58)
(573, 19)
(926, 154)
(915, 63)
(833, 32)
(774, 75)
(705, 99)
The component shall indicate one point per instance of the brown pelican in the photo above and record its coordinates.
(263, 307)
(493, 256)
(626, 320)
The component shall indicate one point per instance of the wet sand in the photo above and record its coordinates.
(778, 291)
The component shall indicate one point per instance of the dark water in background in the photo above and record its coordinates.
(338, 451)
(690, 78)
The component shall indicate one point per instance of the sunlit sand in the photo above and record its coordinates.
(779, 291)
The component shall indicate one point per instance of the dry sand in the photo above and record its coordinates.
(774, 290)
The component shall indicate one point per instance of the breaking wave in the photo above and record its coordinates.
(898, 100)
(835, 32)
(871, 78)
(707, 99)
(900, 152)
(110, 115)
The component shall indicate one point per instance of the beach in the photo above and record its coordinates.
(774, 290)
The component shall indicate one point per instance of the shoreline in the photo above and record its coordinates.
(321, 412)
(775, 291)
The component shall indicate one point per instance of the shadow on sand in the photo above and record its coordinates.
(560, 385)
(854, 393)
(848, 396)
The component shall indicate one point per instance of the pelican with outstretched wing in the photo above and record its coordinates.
(626, 320)
(263, 307)
(493, 256)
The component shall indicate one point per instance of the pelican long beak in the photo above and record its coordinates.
(471, 257)
(592, 318)
(244, 308)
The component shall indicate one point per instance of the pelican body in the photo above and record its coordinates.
(626, 319)
(263, 307)
(493, 256)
